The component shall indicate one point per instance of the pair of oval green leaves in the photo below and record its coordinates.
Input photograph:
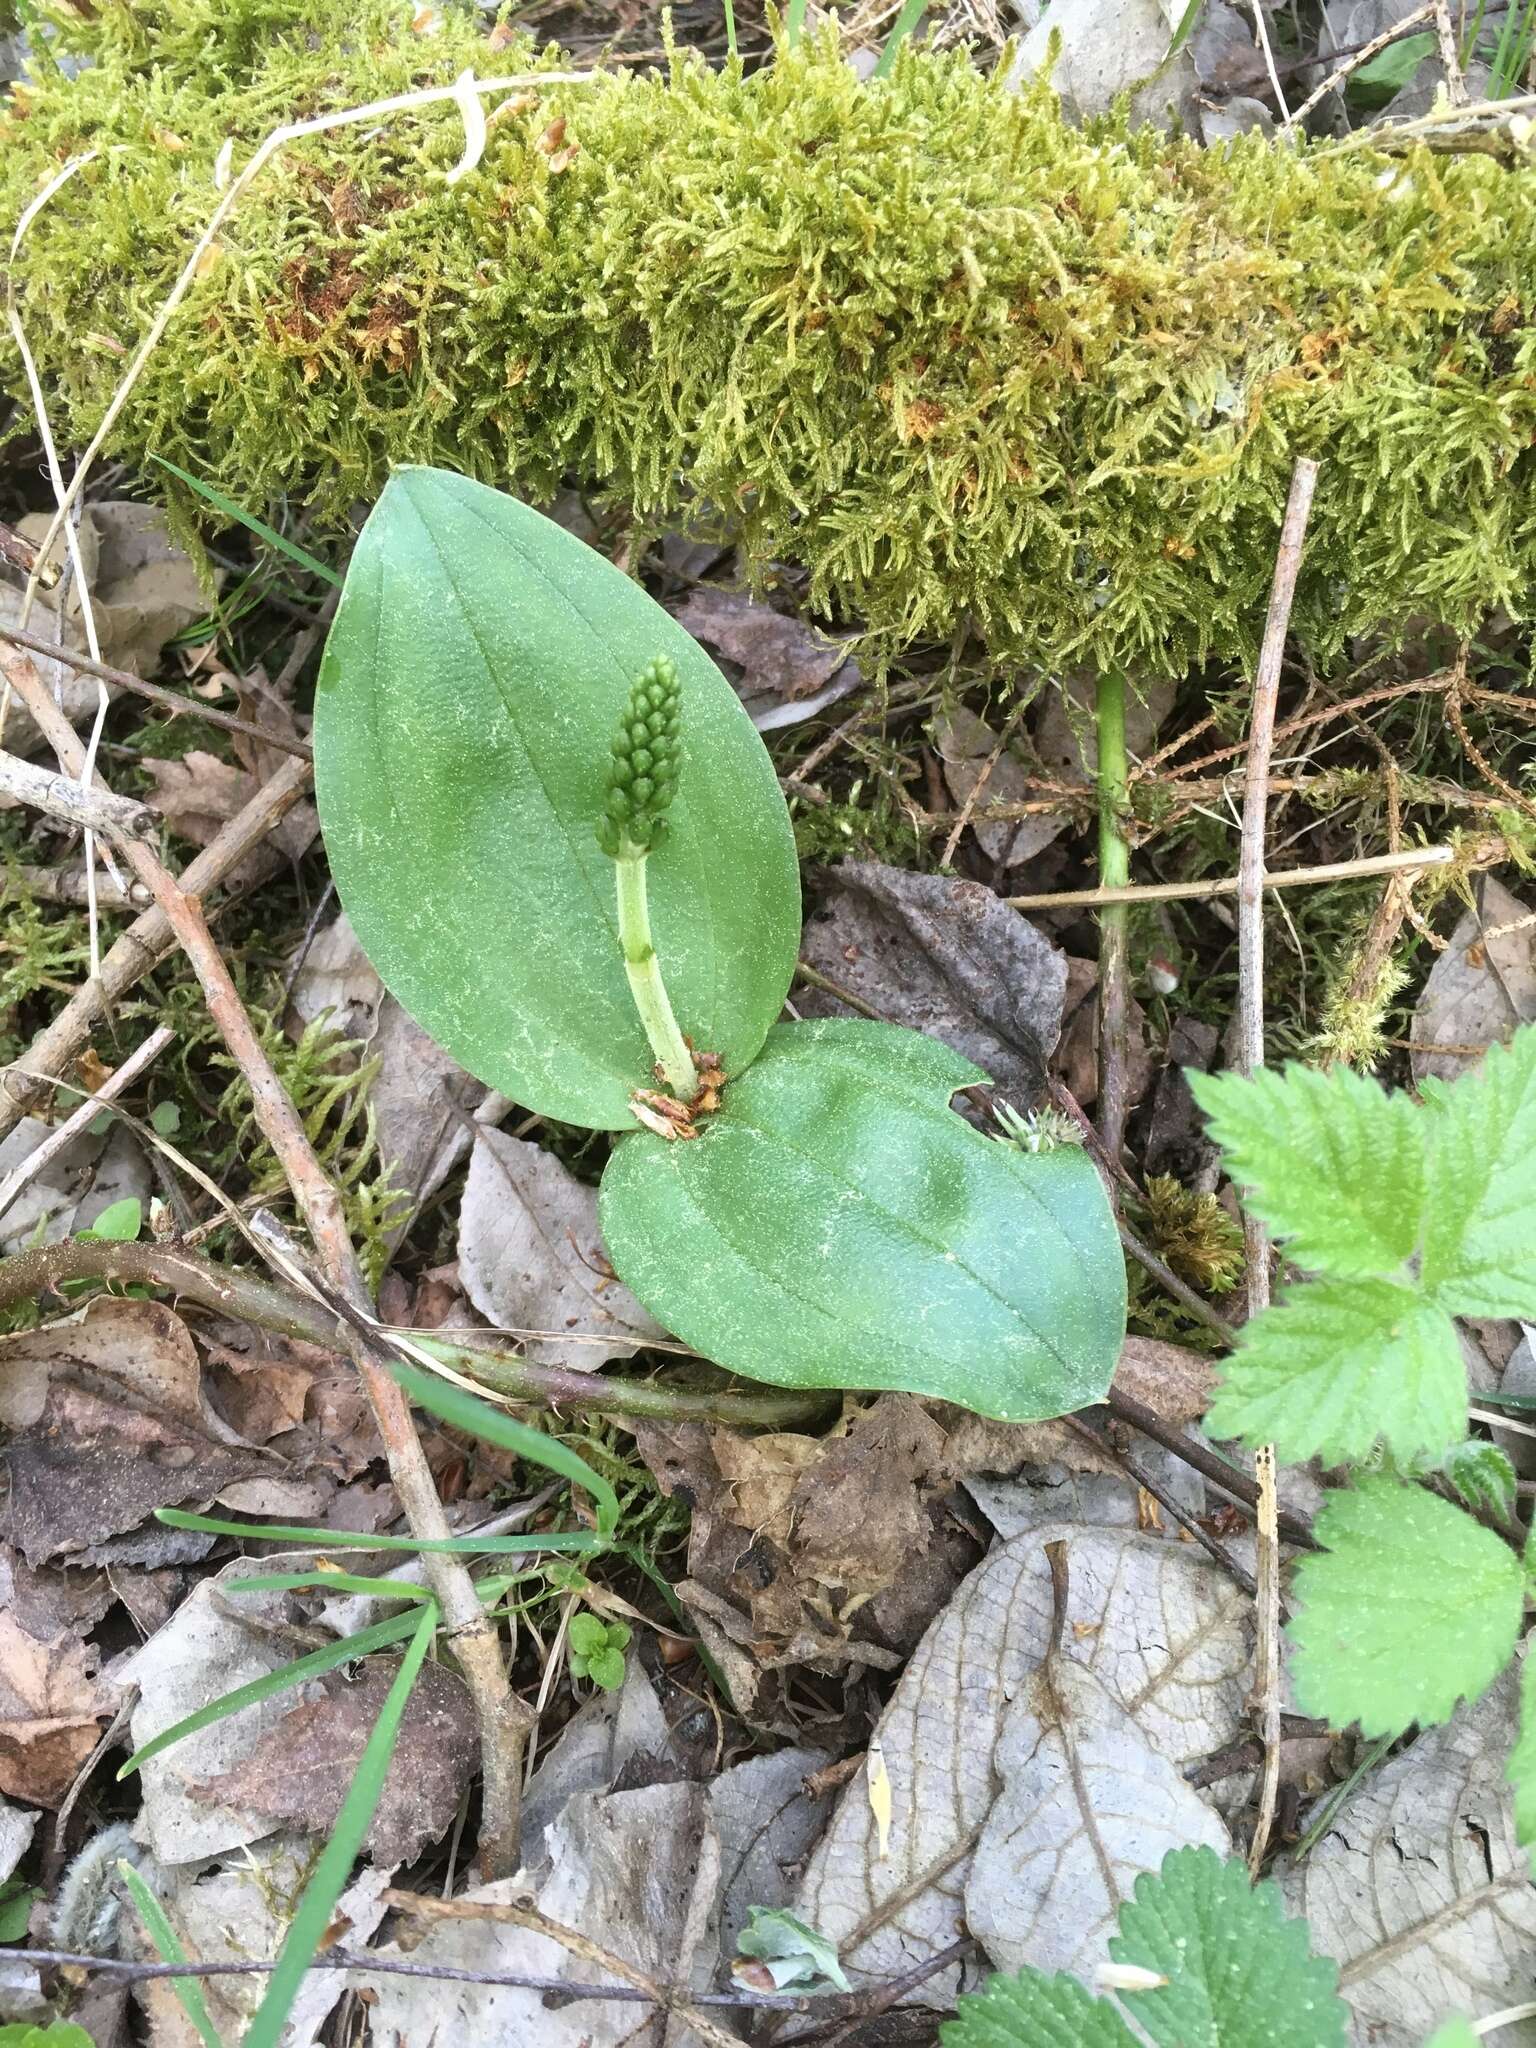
(835, 1224)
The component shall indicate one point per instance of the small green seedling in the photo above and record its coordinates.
(787, 1954)
(1403, 1216)
(564, 848)
(597, 1650)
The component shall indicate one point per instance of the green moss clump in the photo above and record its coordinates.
(958, 359)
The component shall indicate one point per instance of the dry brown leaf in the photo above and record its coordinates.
(948, 958)
(111, 1424)
(51, 1707)
(531, 1257)
(1481, 987)
(966, 744)
(299, 1771)
(781, 668)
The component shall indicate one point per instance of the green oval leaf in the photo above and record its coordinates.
(837, 1225)
(479, 661)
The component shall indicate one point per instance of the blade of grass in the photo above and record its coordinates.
(318, 1902)
(1186, 27)
(163, 1935)
(911, 14)
(478, 1418)
(334, 1582)
(345, 1650)
(1513, 52)
(794, 22)
(730, 28)
(351, 1539)
(250, 522)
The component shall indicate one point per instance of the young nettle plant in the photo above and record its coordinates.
(1403, 1216)
(563, 846)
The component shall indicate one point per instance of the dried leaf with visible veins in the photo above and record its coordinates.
(299, 1771)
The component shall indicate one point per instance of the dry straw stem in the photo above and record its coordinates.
(1250, 1056)
(1232, 885)
(138, 1062)
(1352, 63)
(502, 1718)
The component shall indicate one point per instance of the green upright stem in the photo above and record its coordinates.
(1114, 873)
(645, 982)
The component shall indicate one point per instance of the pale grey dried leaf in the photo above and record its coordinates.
(946, 957)
(1160, 1628)
(1480, 988)
(1419, 1888)
(202, 1653)
(636, 1871)
(239, 1913)
(594, 1746)
(767, 1824)
(1087, 1804)
(771, 651)
(1053, 1492)
(45, 1209)
(1226, 57)
(17, 1824)
(966, 744)
(1109, 47)
(531, 1257)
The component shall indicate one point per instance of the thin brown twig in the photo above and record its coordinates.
(1250, 1036)
(525, 1914)
(168, 700)
(502, 1718)
(1450, 60)
(57, 797)
(1444, 679)
(1474, 752)
(66, 885)
(1211, 1545)
(1296, 1529)
(878, 1999)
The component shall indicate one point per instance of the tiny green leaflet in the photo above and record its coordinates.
(479, 658)
(836, 1224)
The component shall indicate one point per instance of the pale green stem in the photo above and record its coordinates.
(645, 982)
(1114, 873)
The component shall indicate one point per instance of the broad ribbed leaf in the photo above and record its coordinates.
(836, 1224)
(473, 679)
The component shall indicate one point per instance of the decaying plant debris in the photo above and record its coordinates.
(911, 402)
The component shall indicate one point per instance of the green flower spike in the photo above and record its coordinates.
(642, 781)
(642, 777)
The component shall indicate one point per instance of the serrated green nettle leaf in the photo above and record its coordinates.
(1409, 1608)
(836, 1224)
(318, 1901)
(1482, 1474)
(1032, 2010)
(1479, 1240)
(1337, 1366)
(1329, 1160)
(494, 1426)
(1521, 1768)
(472, 685)
(1239, 1971)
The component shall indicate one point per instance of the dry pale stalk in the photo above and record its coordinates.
(1409, 861)
(96, 810)
(502, 1718)
(1250, 1051)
